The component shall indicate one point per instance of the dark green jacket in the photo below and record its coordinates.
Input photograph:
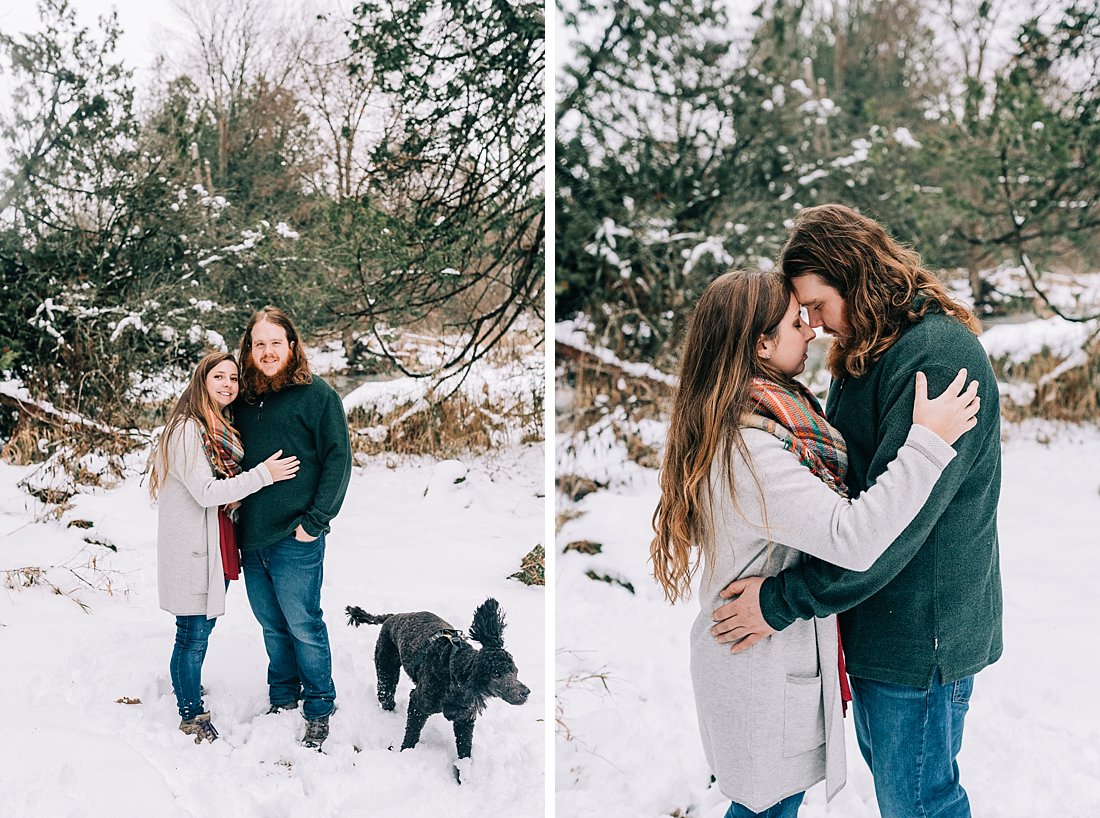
(933, 600)
(308, 422)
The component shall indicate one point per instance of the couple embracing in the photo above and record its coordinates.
(858, 544)
(248, 473)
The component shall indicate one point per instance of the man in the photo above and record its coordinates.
(926, 617)
(282, 530)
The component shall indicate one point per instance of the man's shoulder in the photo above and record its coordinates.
(937, 338)
(316, 389)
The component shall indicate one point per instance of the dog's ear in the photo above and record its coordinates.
(488, 624)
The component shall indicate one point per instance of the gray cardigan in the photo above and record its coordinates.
(770, 717)
(190, 579)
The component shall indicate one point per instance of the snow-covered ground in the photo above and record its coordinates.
(627, 741)
(68, 747)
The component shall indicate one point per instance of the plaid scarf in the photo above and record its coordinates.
(792, 414)
(225, 451)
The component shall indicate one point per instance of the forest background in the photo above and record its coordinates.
(377, 171)
(689, 135)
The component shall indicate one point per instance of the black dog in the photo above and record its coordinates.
(450, 676)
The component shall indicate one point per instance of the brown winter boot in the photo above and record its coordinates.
(199, 727)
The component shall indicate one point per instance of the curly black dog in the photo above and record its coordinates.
(450, 676)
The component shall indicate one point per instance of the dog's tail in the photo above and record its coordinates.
(357, 617)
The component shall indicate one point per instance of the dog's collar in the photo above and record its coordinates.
(456, 637)
(453, 634)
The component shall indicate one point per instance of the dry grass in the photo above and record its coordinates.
(86, 572)
(1060, 393)
(598, 678)
(595, 392)
(456, 426)
(532, 569)
(465, 422)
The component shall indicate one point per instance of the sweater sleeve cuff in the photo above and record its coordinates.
(772, 606)
(265, 475)
(931, 445)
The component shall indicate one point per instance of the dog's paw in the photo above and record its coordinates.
(463, 769)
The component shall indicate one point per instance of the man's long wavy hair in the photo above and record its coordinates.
(717, 364)
(194, 404)
(878, 278)
(297, 373)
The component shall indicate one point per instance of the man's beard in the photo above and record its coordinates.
(257, 383)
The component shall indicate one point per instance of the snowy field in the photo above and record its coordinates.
(69, 748)
(627, 740)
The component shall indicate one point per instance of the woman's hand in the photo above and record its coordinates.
(952, 413)
(281, 468)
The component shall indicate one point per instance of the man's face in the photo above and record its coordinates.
(825, 306)
(270, 348)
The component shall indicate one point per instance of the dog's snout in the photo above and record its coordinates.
(519, 694)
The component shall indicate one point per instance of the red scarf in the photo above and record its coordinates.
(225, 453)
(792, 413)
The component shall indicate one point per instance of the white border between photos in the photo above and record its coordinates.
(550, 16)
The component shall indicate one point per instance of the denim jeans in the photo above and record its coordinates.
(284, 589)
(192, 638)
(787, 808)
(910, 738)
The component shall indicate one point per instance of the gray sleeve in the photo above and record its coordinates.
(801, 512)
(188, 463)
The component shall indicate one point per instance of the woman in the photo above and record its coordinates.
(752, 479)
(195, 475)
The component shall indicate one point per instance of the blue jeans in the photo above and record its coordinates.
(787, 808)
(284, 589)
(192, 638)
(910, 738)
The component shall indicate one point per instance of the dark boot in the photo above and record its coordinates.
(316, 733)
(279, 708)
(199, 727)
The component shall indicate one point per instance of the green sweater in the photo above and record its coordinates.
(933, 600)
(308, 422)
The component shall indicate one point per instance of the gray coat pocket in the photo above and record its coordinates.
(803, 715)
(199, 581)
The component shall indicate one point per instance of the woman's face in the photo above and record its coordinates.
(786, 351)
(221, 383)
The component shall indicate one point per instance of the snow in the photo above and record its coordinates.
(627, 740)
(67, 747)
(813, 176)
(904, 137)
(574, 333)
(710, 246)
(860, 151)
(510, 384)
(1020, 342)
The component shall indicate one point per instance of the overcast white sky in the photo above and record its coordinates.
(148, 27)
(140, 21)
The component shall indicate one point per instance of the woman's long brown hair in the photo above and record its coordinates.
(718, 361)
(194, 404)
(878, 277)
